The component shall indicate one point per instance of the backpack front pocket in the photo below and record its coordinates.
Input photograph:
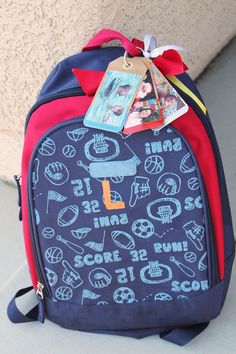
(119, 219)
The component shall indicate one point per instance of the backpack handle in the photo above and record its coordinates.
(106, 35)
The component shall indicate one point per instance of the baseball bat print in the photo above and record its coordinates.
(186, 270)
(71, 245)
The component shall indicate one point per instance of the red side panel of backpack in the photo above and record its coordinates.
(193, 130)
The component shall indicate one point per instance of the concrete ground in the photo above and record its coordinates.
(217, 85)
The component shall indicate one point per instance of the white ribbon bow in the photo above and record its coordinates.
(151, 49)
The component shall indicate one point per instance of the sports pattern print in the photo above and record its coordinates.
(153, 249)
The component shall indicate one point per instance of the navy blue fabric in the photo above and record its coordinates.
(180, 336)
(134, 333)
(196, 310)
(184, 335)
(62, 78)
(14, 314)
(176, 335)
(187, 81)
(149, 319)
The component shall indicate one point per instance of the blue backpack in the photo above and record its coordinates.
(124, 234)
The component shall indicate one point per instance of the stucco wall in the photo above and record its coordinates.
(35, 35)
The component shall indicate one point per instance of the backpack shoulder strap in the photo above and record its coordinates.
(184, 335)
(16, 316)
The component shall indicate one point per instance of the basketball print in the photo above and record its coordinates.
(154, 164)
(162, 297)
(64, 293)
(53, 255)
(117, 179)
(115, 197)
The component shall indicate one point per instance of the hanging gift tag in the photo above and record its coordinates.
(145, 112)
(171, 104)
(115, 94)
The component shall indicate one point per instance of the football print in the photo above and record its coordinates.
(123, 240)
(68, 215)
(187, 165)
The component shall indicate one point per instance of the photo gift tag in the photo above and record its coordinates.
(115, 95)
(145, 112)
(171, 104)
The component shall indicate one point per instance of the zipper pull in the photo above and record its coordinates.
(18, 185)
(39, 290)
(40, 296)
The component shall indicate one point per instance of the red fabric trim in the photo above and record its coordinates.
(89, 80)
(106, 35)
(170, 62)
(138, 43)
(193, 130)
(44, 118)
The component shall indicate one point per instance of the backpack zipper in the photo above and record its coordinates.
(63, 94)
(39, 290)
(17, 179)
